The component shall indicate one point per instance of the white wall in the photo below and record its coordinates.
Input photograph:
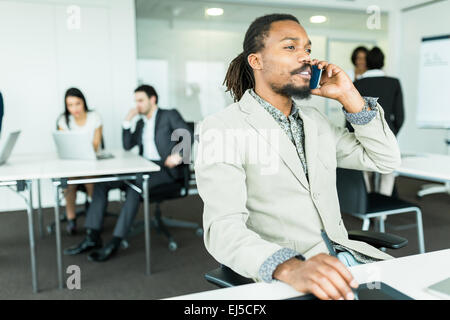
(41, 58)
(212, 46)
(422, 22)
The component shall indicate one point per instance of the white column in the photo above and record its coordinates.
(394, 39)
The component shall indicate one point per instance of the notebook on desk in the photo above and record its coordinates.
(369, 291)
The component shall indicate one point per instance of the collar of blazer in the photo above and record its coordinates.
(263, 122)
(141, 122)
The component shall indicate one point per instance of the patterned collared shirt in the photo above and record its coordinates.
(292, 125)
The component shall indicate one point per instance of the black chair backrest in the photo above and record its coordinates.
(191, 125)
(351, 190)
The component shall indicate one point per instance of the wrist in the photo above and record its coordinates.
(284, 271)
(352, 101)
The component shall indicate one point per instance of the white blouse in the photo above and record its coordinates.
(93, 121)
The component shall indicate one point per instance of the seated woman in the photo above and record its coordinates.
(77, 117)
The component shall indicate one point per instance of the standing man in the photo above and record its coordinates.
(152, 134)
(266, 201)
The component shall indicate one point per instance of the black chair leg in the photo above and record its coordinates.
(160, 225)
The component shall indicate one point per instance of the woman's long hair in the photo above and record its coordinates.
(73, 92)
(240, 76)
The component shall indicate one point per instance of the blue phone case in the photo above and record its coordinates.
(315, 77)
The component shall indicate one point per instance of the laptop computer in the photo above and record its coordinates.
(77, 146)
(7, 147)
(369, 291)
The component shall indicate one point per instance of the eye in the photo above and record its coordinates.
(309, 51)
(290, 47)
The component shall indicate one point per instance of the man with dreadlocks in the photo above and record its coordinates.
(265, 222)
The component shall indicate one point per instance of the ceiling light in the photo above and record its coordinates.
(317, 19)
(214, 11)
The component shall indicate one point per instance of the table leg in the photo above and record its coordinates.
(40, 217)
(31, 236)
(147, 222)
(58, 239)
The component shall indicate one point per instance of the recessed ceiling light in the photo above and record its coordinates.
(317, 19)
(214, 11)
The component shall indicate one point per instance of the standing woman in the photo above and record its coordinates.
(78, 117)
(359, 62)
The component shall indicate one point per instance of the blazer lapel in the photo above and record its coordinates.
(158, 118)
(263, 123)
(311, 141)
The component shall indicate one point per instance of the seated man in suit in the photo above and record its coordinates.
(152, 134)
(266, 165)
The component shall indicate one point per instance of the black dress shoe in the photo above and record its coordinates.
(104, 253)
(87, 244)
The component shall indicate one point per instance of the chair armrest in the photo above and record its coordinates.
(378, 239)
(224, 277)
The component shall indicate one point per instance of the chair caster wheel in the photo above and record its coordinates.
(199, 232)
(173, 246)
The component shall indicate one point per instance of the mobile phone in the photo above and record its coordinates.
(315, 77)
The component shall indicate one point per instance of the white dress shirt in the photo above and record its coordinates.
(373, 73)
(148, 137)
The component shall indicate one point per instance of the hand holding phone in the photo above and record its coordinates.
(315, 77)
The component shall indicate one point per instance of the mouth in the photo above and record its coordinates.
(304, 74)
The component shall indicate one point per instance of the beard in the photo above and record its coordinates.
(289, 90)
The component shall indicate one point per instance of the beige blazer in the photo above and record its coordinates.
(256, 197)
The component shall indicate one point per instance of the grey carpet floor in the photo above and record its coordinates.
(173, 273)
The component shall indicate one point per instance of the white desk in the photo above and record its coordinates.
(20, 176)
(124, 166)
(410, 275)
(433, 167)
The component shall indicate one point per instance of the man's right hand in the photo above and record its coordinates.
(322, 275)
(131, 114)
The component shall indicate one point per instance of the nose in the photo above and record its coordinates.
(304, 58)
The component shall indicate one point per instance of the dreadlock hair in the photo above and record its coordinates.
(240, 76)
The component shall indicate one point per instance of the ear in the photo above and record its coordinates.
(153, 100)
(255, 61)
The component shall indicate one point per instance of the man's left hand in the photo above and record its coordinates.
(336, 84)
(173, 160)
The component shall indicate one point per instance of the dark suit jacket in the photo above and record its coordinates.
(165, 123)
(1, 111)
(390, 96)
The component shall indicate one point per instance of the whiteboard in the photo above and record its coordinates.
(433, 110)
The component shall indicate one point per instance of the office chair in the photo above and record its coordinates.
(354, 200)
(224, 277)
(169, 191)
